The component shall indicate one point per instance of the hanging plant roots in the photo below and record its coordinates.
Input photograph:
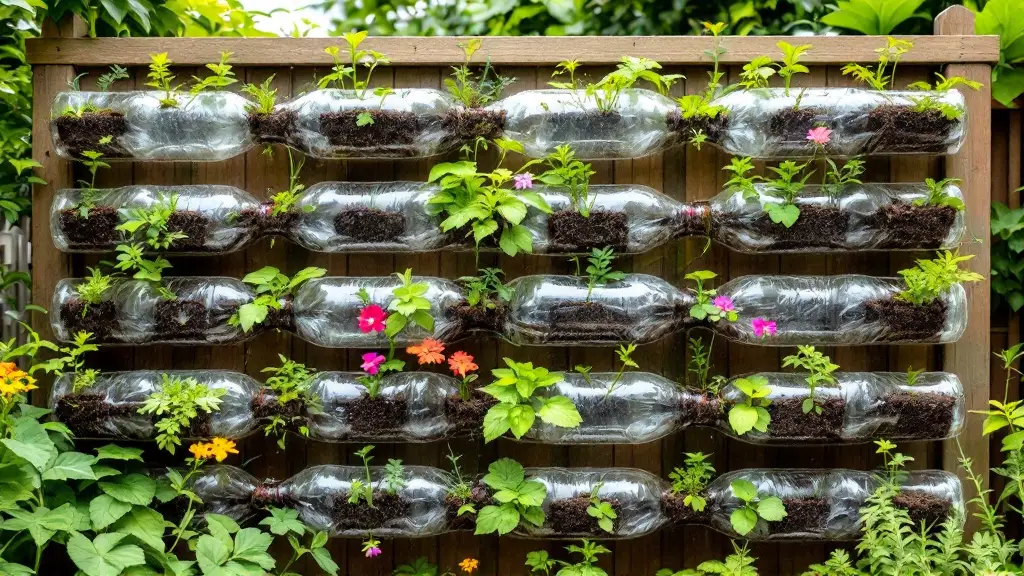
(906, 321)
(790, 421)
(359, 516)
(904, 129)
(372, 416)
(97, 231)
(83, 133)
(570, 231)
(100, 319)
(278, 127)
(391, 133)
(569, 516)
(370, 225)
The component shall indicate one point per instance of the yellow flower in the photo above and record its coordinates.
(221, 447)
(7, 390)
(469, 565)
(201, 451)
(8, 367)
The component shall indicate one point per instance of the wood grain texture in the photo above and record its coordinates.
(509, 51)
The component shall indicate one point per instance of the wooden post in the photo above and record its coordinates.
(969, 358)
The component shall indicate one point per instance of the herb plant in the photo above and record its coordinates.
(177, 402)
(264, 95)
(518, 499)
(408, 307)
(929, 279)
(94, 288)
(460, 489)
(705, 307)
(933, 93)
(752, 507)
(602, 510)
(691, 479)
(342, 72)
(819, 368)
(517, 408)
(700, 366)
(291, 382)
(700, 105)
(539, 561)
(787, 185)
(271, 287)
(791, 65)
(937, 195)
(394, 476)
(836, 177)
(161, 78)
(599, 271)
(565, 170)
(750, 413)
(93, 162)
(222, 76)
(740, 182)
(154, 221)
(133, 257)
(605, 93)
(74, 358)
(625, 355)
(486, 290)
(475, 90)
(881, 77)
(359, 490)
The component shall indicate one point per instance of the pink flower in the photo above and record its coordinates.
(373, 551)
(372, 318)
(763, 327)
(523, 181)
(723, 303)
(819, 135)
(371, 363)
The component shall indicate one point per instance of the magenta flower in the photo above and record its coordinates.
(763, 327)
(820, 135)
(523, 181)
(723, 303)
(371, 363)
(372, 318)
(373, 552)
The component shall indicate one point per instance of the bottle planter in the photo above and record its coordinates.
(544, 310)
(822, 504)
(208, 126)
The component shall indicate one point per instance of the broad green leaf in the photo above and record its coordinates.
(559, 411)
(211, 553)
(251, 545)
(742, 418)
(744, 490)
(501, 519)
(145, 524)
(132, 488)
(743, 520)
(520, 419)
(105, 510)
(504, 473)
(115, 452)
(323, 559)
(496, 421)
(71, 466)
(532, 493)
(771, 509)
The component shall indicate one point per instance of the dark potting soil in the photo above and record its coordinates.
(100, 319)
(789, 420)
(817, 227)
(386, 507)
(466, 125)
(903, 129)
(802, 515)
(391, 133)
(370, 224)
(368, 415)
(467, 416)
(918, 415)
(194, 225)
(686, 127)
(98, 231)
(909, 226)
(569, 516)
(266, 405)
(906, 321)
(704, 410)
(588, 124)
(82, 134)
(180, 319)
(923, 506)
(280, 318)
(87, 413)
(587, 321)
(480, 497)
(679, 513)
(278, 127)
(260, 221)
(479, 317)
(793, 124)
(569, 231)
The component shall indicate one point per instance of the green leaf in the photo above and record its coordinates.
(31, 443)
(742, 418)
(145, 524)
(501, 519)
(513, 211)
(132, 488)
(559, 411)
(251, 314)
(871, 17)
(103, 556)
(251, 545)
(105, 510)
(211, 553)
(115, 452)
(323, 559)
(504, 473)
(520, 419)
(743, 520)
(532, 493)
(771, 509)
(496, 421)
(744, 490)
(785, 214)
(71, 466)
(282, 521)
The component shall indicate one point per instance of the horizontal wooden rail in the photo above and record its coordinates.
(539, 51)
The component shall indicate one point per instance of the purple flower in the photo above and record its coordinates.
(762, 327)
(523, 181)
(373, 552)
(723, 303)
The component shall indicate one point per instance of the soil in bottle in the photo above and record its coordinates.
(803, 515)
(467, 416)
(588, 322)
(468, 124)
(83, 133)
(904, 129)
(278, 127)
(370, 225)
(181, 320)
(386, 507)
(97, 231)
(99, 319)
(923, 507)
(917, 415)
(790, 421)
(568, 517)
(571, 232)
(906, 321)
(368, 416)
(907, 226)
(392, 133)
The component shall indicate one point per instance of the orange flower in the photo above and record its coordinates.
(221, 447)
(469, 565)
(461, 364)
(428, 351)
(8, 367)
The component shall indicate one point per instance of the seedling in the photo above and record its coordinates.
(265, 96)
(756, 73)
(790, 65)
(394, 476)
(880, 78)
(291, 382)
(602, 510)
(161, 78)
(565, 170)
(625, 354)
(271, 287)
(342, 72)
(705, 307)
(752, 507)
(700, 366)
(285, 200)
(517, 408)
(787, 185)
(539, 562)
(133, 257)
(486, 290)
(931, 99)
(837, 177)
(751, 413)
(600, 272)
(938, 196)
(929, 279)
(222, 76)
(520, 499)
(94, 288)
(177, 402)
(819, 368)
(740, 182)
(475, 90)
(700, 105)
(692, 479)
(358, 489)
(408, 305)
(154, 222)
(606, 92)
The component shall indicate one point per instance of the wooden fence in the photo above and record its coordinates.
(681, 173)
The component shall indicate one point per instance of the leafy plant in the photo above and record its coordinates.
(342, 72)
(599, 271)
(94, 288)
(932, 99)
(539, 561)
(475, 90)
(518, 499)
(105, 81)
(265, 96)
(408, 305)
(880, 78)
(938, 196)
(739, 563)
(285, 200)
(1000, 18)
(486, 290)
(750, 413)
(460, 488)
(133, 257)
(15, 192)
(691, 479)
(291, 382)
(872, 17)
(625, 355)
(705, 307)
(791, 65)
(605, 93)
(740, 183)
(271, 288)
(753, 506)
(700, 366)
(93, 163)
(602, 510)
(700, 105)
(176, 403)
(517, 408)
(222, 76)
(787, 185)
(161, 78)
(154, 222)
(836, 178)
(74, 358)
(819, 368)
(1007, 260)
(565, 170)
(358, 489)
(929, 279)
(394, 476)
(756, 73)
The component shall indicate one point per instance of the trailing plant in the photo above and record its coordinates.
(480, 204)
(937, 195)
(881, 77)
(222, 76)
(343, 72)
(265, 97)
(176, 403)
(475, 90)
(819, 368)
(787, 185)
(291, 382)
(161, 78)
(565, 170)
(601, 510)
(517, 408)
(486, 290)
(153, 221)
(540, 563)
(599, 270)
(751, 413)
(752, 507)
(271, 288)
(359, 490)
(692, 478)
(520, 499)
(933, 94)
(929, 279)
(605, 93)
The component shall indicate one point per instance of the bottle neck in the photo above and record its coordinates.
(270, 493)
(692, 219)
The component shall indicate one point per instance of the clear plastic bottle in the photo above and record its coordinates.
(823, 504)
(208, 126)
